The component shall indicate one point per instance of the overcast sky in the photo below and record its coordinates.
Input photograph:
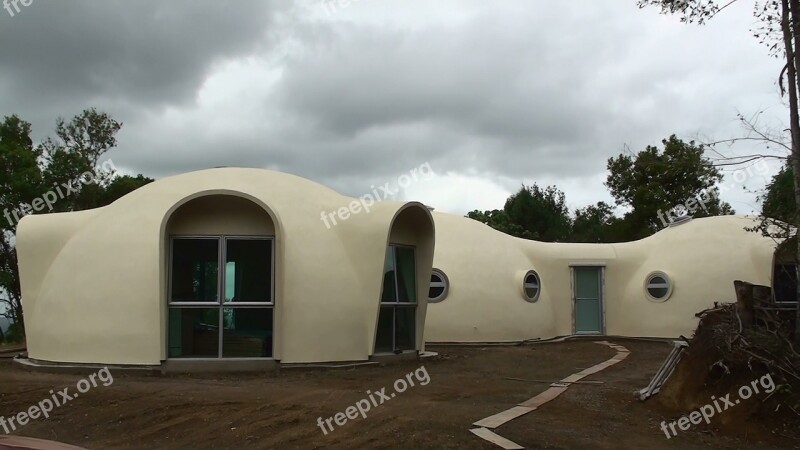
(489, 94)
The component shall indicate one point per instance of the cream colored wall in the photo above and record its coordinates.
(99, 294)
(94, 283)
(39, 245)
(221, 214)
(703, 258)
(485, 268)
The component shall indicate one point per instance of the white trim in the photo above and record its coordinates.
(668, 284)
(444, 284)
(531, 285)
(586, 264)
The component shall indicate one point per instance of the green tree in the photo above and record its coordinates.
(531, 213)
(657, 183)
(779, 198)
(31, 173)
(76, 150)
(593, 223)
(119, 187)
(498, 219)
(542, 213)
(20, 181)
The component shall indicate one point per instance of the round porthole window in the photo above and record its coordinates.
(531, 286)
(439, 286)
(658, 287)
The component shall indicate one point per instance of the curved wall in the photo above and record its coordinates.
(485, 268)
(94, 283)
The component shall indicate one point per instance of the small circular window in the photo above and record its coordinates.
(658, 286)
(439, 286)
(531, 286)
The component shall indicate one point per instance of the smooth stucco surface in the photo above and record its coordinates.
(485, 268)
(94, 282)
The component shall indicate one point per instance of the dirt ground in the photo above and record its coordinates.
(280, 410)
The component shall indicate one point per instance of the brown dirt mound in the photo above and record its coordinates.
(716, 366)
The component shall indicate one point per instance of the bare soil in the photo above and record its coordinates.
(280, 410)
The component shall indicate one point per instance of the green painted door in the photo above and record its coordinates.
(588, 300)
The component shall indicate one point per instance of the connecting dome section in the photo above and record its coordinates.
(503, 289)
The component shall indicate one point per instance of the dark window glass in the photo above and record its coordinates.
(657, 280)
(406, 275)
(658, 287)
(247, 332)
(244, 332)
(193, 332)
(384, 341)
(248, 270)
(437, 286)
(405, 320)
(195, 270)
(396, 323)
(437, 291)
(389, 294)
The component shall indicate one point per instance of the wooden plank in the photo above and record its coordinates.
(496, 439)
(544, 397)
(573, 378)
(503, 417)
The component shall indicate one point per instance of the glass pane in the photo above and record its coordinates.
(657, 292)
(384, 338)
(587, 283)
(389, 294)
(406, 275)
(230, 274)
(248, 270)
(658, 280)
(195, 266)
(406, 337)
(587, 316)
(193, 332)
(531, 292)
(247, 333)
(435, 292)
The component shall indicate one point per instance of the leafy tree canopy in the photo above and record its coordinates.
(531, 213)
(31, 174)
(655, 182)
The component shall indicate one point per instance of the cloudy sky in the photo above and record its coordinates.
(489, 94)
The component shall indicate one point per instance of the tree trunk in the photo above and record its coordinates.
(790, 31)
(13, 292)
(745, 304)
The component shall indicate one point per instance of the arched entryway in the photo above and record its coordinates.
(406, 278)
(221, 257)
